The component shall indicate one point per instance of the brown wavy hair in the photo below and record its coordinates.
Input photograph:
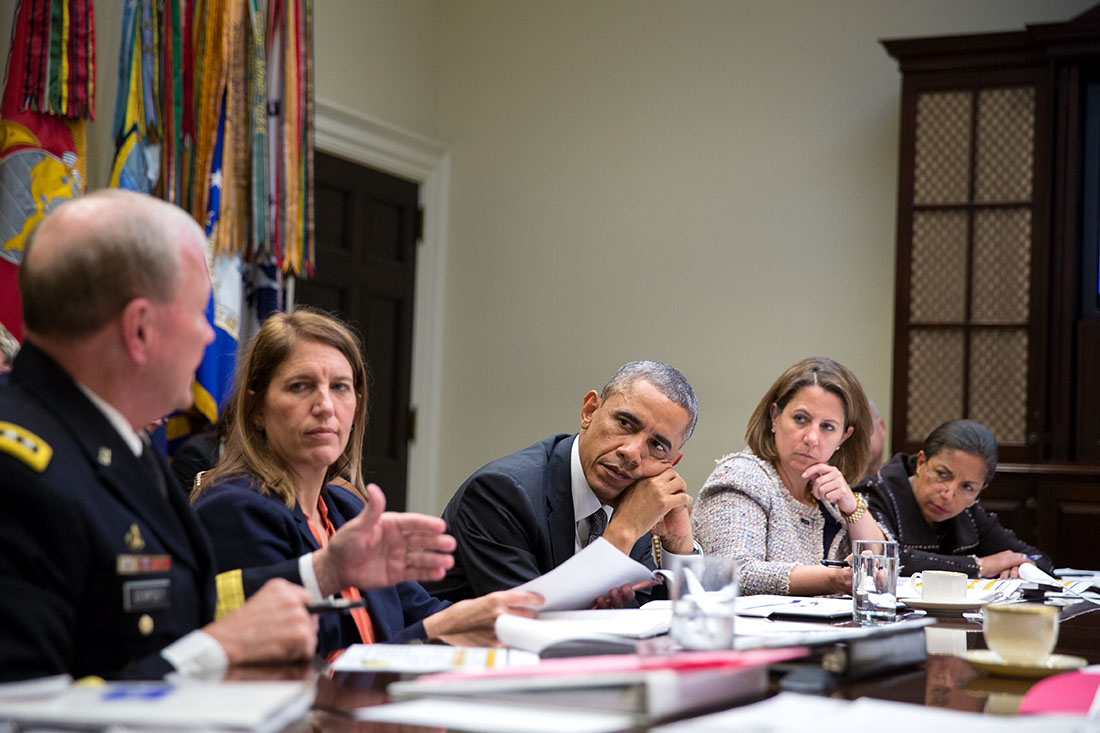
(851, 458)
(246, 448)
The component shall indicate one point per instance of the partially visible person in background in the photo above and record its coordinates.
(9, 347)
(199, 453)
(877, 441)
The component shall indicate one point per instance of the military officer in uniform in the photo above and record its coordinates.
(103, 567)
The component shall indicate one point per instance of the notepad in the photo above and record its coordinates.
(765, 606)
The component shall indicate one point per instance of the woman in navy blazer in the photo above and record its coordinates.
(296, 427)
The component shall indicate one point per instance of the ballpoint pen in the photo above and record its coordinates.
(836, 563)
(336, 605)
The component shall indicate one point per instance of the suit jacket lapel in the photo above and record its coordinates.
(561, 523)
(303, 526)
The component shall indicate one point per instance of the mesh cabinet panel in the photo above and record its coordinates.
(1006, 144)
(1002, 265)
(937, 276)
(998, 383)
(935, 380)
(941, 168)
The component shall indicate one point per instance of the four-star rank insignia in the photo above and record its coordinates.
(25, 446)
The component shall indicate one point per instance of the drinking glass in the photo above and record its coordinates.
(703, 593)
(874, 582)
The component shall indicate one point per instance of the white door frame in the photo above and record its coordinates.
(385, 147)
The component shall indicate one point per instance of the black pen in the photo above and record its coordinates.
(836, 563)
(336, 605)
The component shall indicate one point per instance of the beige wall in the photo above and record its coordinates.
(380, 58)
(708, 183)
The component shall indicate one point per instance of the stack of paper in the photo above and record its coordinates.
(643, 688)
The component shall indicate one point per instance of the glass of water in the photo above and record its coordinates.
(874, 582)
(703, 593)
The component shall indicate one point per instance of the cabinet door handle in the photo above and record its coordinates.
(1031, 503)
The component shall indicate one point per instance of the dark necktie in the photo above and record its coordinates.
(597, 523)
(152, 462)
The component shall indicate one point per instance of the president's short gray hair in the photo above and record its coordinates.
(668, 380)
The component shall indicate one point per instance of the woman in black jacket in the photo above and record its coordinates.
(929, 504)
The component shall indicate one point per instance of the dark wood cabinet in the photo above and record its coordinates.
(1055, 507)
(996, 236)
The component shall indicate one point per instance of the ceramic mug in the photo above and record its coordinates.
(943, 586)
(1021, 633)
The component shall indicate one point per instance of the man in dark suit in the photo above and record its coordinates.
(523, 515)
(103, 567)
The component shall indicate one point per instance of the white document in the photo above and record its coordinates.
(591, 573)
(536, 634)
(494, 717)
(1071, 573)
(790, 712)
(992, 589)
(634, 623)
(426, 658)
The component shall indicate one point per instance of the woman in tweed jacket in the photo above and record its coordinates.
(784, 502)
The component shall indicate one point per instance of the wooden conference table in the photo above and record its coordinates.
(944, 681)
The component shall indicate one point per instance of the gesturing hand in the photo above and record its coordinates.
(378, 549)
(828, 484)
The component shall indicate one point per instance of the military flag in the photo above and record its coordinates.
(49, 92)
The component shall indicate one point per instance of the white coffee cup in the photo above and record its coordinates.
(1021, 633)
(943, 586)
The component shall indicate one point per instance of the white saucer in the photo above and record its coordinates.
(988, 661)
(946, 608)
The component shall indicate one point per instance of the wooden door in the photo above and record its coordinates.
(367, 232)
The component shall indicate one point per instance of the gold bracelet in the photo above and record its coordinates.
(861, 509)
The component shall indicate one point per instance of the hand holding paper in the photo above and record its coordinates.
(580, 580)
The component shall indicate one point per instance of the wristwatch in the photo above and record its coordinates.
(861, 509)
